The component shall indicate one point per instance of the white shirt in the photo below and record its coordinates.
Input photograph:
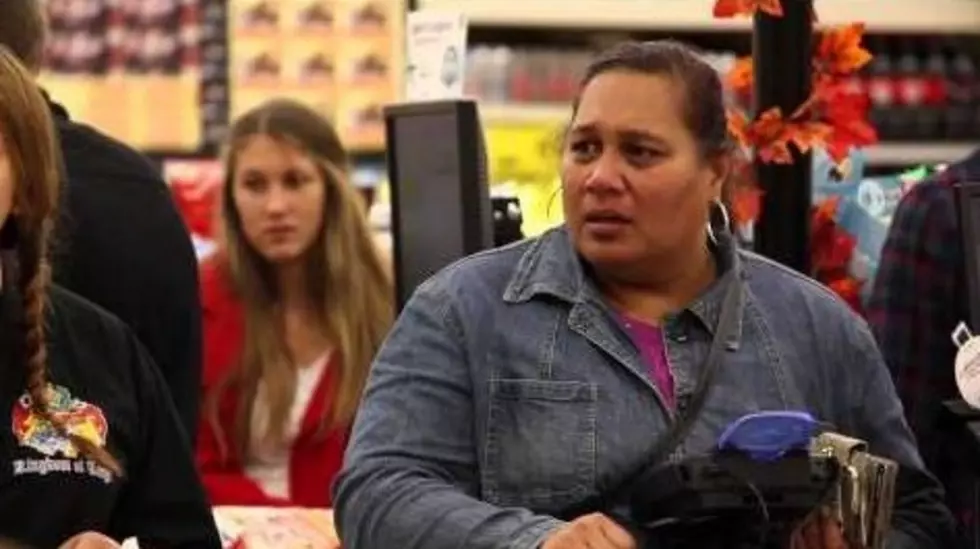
(269, 466)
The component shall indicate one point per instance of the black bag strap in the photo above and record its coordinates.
(727, 321)
(679, 429)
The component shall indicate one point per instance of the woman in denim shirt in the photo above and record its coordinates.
(523, 380)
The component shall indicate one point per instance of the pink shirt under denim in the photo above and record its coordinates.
(649, 339)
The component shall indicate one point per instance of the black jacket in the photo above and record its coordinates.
(121, 243)
(108, 388)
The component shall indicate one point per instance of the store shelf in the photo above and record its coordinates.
(885, 16)
(903, 154)
(524, 113)
(891, 154)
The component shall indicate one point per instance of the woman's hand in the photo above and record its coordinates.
(820, 531)
(595, 531)
(90, 540)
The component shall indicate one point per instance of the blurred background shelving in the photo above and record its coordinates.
(923, 86)
(166, 76)
(882, 16)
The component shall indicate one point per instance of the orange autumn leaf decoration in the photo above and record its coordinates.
(746, 203)
(771, 135)
(848, 120)
(807, 135)
(839, 52)
(833, 250)
(739, 77)
(768, 134)
(733, 8)
(830, 119)
(746, 197)
(849, 289)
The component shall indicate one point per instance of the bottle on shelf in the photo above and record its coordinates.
(537, 68)
(881, 88)
(961, 86)
(521, 87)
(499, 69)
(929, 118)
(477, 72)
(563, 76)
(909, 86)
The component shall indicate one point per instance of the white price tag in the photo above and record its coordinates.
(967, 366)
(435, 55)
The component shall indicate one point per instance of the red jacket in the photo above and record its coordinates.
(314, 460)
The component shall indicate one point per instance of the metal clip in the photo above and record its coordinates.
(865, 494)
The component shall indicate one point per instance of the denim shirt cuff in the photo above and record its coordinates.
(534, 537)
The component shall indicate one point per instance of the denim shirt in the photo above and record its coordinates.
(507, 391)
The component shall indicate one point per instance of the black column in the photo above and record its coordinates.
(781, 51)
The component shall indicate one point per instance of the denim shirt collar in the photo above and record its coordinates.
(551, 267)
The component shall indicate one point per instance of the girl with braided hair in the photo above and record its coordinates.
(93, 450)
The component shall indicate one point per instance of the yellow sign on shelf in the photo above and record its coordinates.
(526, 156)
(523, 151)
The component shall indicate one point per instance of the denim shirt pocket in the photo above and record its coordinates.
(541, 443)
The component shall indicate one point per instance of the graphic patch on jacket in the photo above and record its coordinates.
(80, 418)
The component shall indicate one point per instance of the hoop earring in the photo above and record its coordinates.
(715, 210)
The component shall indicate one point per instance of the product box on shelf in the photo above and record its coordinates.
(110, 63)
(340, 58)
(865, 204)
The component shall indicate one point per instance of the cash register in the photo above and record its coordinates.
(767, 474)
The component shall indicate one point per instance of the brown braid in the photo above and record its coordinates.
(28, 133)
(34, 278)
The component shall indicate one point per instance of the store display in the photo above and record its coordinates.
(864, 205)
(504, 74)
(686, 16)
(340, 57)
(111, 62)
(918, 89)
(923, 89)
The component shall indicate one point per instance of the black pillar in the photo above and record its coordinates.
(781, 52)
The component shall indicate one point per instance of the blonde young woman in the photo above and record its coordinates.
(91, 451)
(295, 305)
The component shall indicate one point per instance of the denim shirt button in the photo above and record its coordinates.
(675, 331)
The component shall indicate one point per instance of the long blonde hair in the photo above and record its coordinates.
(28, 133)
(347, 280)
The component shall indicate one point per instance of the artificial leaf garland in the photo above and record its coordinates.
(831, 118)
(732, 8)
(832, 250)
